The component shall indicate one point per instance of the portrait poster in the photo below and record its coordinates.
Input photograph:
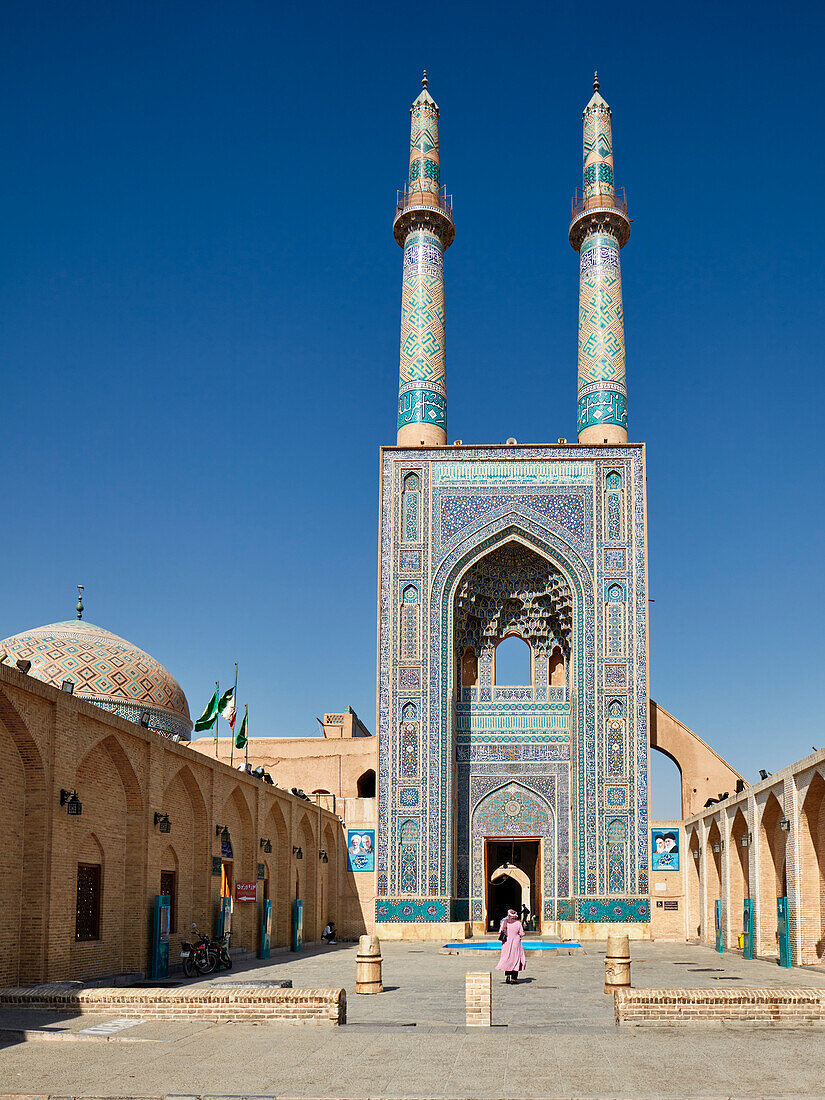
(664, 848)
(360, 849)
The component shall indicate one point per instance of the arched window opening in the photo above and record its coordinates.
(556, 668)
(366, 784)
(513, 662)
(469, 667)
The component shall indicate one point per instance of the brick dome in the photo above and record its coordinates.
(107, 671)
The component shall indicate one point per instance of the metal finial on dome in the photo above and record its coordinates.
(79, 607)
(424, 81)
(595, 81)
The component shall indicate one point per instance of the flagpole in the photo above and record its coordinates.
(246, 743)
(232, 728)
(217, 716)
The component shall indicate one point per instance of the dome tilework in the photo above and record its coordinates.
(105, 669)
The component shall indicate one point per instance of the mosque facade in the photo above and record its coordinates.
(481, 543)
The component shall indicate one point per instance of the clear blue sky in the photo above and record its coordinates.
(200, 302)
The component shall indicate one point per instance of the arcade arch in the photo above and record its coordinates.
(739, 869)
(713, 886)
(773, 875)
(812, 866)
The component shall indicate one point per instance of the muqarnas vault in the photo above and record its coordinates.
(532, 794)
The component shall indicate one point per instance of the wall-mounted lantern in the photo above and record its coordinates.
(297, 852)
(266, 844)
(69, 799)
(695, 853)
(163, 823)
(716, 846)
(745, 841)
(68, 687)
(322, 855)
(785, 825)
(144, 719)
(222, 831)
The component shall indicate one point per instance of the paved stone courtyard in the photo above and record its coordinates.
(553, 1036)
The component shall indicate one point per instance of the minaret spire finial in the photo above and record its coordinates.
(79, 608)
(596, 81)
(424, 228)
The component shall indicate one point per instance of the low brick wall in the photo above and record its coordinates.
(678, 1007)
(238, 1004)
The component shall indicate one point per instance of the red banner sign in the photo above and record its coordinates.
(246, 891)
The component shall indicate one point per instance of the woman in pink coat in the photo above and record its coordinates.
(512, 953)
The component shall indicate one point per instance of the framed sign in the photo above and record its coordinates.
(664, 849)
(246, 891)
(360, 849)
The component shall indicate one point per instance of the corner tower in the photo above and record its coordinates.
(424, 228)
(599, 228)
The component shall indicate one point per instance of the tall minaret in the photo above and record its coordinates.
(599, 228)
(424, 228)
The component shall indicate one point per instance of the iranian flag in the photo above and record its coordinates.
(226, 707)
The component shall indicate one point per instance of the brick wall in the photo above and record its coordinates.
(123, 775)
(774, 861)
(237, 1004)
(679, 1007)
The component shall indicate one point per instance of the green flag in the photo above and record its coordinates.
(209, 716)
(240, 737)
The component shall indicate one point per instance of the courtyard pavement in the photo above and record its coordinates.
(553, 1036)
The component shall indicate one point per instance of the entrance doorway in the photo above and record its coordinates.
(503, 891)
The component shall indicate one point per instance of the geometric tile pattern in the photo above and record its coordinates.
(105, 669)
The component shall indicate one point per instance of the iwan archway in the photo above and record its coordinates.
(512, 598)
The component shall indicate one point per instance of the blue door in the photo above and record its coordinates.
(717, 908)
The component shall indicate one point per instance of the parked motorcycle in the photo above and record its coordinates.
(198, 957)
(219, 950)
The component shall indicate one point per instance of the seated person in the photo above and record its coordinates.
(328, 934)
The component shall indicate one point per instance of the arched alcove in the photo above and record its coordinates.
(773, 875)
(366, 784)
(812, 862)
(713, 887)
(513, 662)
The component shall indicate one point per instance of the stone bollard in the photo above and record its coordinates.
(368, 966)
(617, 962)
(478, 998)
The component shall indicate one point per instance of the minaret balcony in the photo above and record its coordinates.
(589, 212)
(430, 208)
